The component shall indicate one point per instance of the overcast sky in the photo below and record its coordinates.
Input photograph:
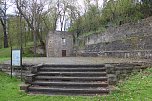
(12, 7)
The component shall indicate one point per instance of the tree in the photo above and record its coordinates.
(33, 17)
(67, 12)
(113, 13)
(89, 21)
(146, 7)
(3, 19)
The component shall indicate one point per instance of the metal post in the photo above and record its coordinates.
(21, 64)
(11, 53)
(21, 46)
(11, 63)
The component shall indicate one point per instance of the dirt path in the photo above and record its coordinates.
(77, 60)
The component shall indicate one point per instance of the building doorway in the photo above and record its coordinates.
(63, 53)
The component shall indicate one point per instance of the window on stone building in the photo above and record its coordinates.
(63, 41)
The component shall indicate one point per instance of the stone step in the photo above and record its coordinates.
(60, 78)
(72, 69)
(83, 74)
(68, 91)
(74, 66)
(70, 84)
(69, 80)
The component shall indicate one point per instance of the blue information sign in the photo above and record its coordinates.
(16, 57)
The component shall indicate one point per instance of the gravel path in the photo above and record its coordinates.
(76, 60)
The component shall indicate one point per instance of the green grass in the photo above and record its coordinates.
(6, 52)
(137, 88)
(4, 59)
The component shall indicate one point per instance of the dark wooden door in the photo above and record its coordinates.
(63, 53)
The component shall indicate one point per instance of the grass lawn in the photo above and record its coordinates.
(4, 59)
(6, 52)
(137, 88)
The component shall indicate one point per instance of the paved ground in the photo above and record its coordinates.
(76, 60)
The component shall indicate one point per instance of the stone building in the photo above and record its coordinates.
(59, 44)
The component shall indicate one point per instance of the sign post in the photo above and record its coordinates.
(16, 59)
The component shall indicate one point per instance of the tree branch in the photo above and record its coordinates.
(25, 17)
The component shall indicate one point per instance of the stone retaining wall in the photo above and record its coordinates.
(115, 71)
(128, 40)
(143, 54)
(118, 71)
(26, 70)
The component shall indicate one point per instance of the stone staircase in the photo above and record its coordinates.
(68, 80)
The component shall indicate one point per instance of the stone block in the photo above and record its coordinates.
(36, 68)
(118, 73)
(124, 68)
(24, 87)
(29, 78)
(122, 76)
(112, 79)
(110, 69)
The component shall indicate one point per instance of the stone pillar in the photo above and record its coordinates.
(24, 87)
(36, 68)
(30, 78)
(112, 78)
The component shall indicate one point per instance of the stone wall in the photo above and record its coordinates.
(115, 71)
(128, 40)
(140, 28)
(26, 70)
(119, 71)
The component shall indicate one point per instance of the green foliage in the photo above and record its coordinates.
(90, 21)
(18, 28)
(146, 8)
(114, 13)
(137, 87)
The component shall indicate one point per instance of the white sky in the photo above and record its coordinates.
(12, 7)
(81, 3)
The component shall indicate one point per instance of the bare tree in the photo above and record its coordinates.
(3, 19)
(67, 12)
(32, 15)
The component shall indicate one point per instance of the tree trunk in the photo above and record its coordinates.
(40, 39)
(5, 35)
(3, 22)
(35, 43)
(5, 38)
